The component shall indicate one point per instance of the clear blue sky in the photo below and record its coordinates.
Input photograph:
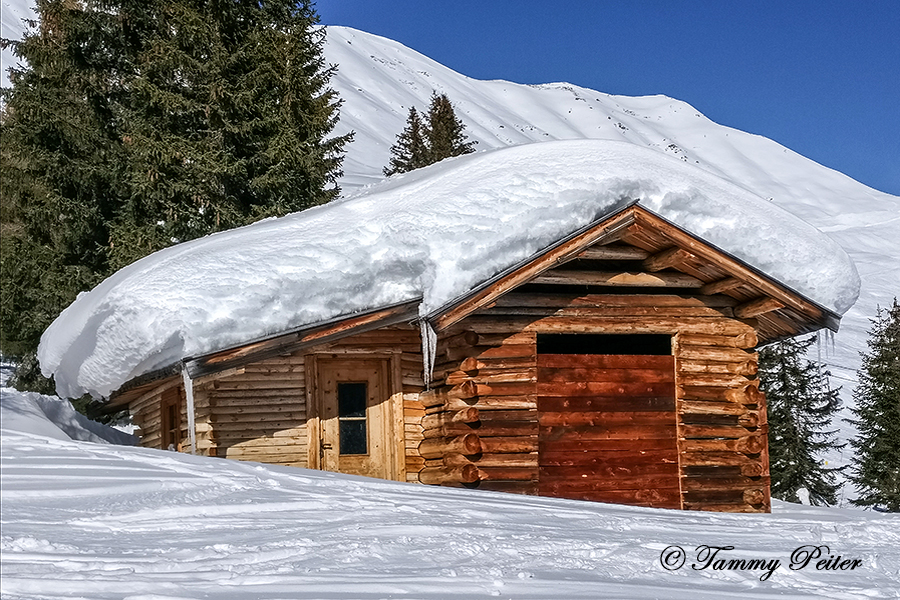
(821, 77)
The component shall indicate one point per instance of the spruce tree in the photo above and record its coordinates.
(135, 124)
(444, 131)
(421, 144)
(876, 471)
(800, 407)
(409, 151)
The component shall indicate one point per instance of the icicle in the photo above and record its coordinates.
(429, 349)
(189, 395)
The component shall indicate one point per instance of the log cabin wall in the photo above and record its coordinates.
(482, 428)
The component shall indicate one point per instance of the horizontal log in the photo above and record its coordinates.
(511, 338)
(618, 278)
(593, 473)
(274, 384)
(638, 447)
(757, 307)
(509, 445)
(484, 428)
(752, 444)
(748, 394)
(458, 340)
(525, 299)
(721, 286)
(749, 367)
(465, 415)
(294, 394)
(508, 473)
(713, 353)
(466, 444)
(728, 380)
(712, 408)
(485, 403)
(438, 475)
(666, 259)
(513, 460)
(481, 352)
(613, 253)
(668, 325)
(745, 340)
(712, 431)
(719, 459)
(637, 312)
(727, 508)
(722, 483)
(497, 377)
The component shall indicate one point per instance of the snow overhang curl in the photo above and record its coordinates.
(435, 233)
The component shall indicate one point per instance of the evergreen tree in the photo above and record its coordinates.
(800, 406)
(876, 472)
(139, 123)
(410, 151)
(421, 144)
(444, 131)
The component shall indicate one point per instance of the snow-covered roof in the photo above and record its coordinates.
(433, 234)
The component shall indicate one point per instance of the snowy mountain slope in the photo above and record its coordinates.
(83, 520)
(380, 79)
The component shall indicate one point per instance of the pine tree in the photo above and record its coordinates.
(409, 151)
(444, 131)
(421, 144)
(140, 123)
(876, 472)
(800, 406)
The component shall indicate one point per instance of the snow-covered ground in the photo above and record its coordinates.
(94, 521)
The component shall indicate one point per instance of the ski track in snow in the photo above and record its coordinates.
(82, 520)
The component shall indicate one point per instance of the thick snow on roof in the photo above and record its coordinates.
(434, 233)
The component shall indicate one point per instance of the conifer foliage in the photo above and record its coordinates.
(441, 136)
(876, 471)
(135, 124)
(800, 407)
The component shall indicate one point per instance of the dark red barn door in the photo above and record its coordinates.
(607, 428)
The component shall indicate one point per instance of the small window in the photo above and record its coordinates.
(352, 417)
(592, 343)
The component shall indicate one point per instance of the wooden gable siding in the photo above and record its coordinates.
(147, 415)
(482, 424)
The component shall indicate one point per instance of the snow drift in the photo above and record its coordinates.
(49, 416)
(433, 234)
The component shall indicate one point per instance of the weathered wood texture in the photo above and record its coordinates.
(259, 412)
(608, 428)
(715, 412)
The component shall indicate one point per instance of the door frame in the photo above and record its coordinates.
(394, 430)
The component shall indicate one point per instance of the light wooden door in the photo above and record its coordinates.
(354, 417)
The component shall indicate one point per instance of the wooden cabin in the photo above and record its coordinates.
(617, 365)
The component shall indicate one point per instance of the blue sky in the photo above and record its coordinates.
(821, 77)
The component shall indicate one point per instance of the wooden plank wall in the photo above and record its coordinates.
(258, 412)
(481, 415)
(147, 416)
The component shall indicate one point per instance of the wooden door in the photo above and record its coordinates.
(354, 417)
(607, 429)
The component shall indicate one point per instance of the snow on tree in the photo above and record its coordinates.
(876, 471)
(801, 406)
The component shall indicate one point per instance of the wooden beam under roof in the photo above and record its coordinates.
(618, 278)
(666, 258)
(613, 253)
